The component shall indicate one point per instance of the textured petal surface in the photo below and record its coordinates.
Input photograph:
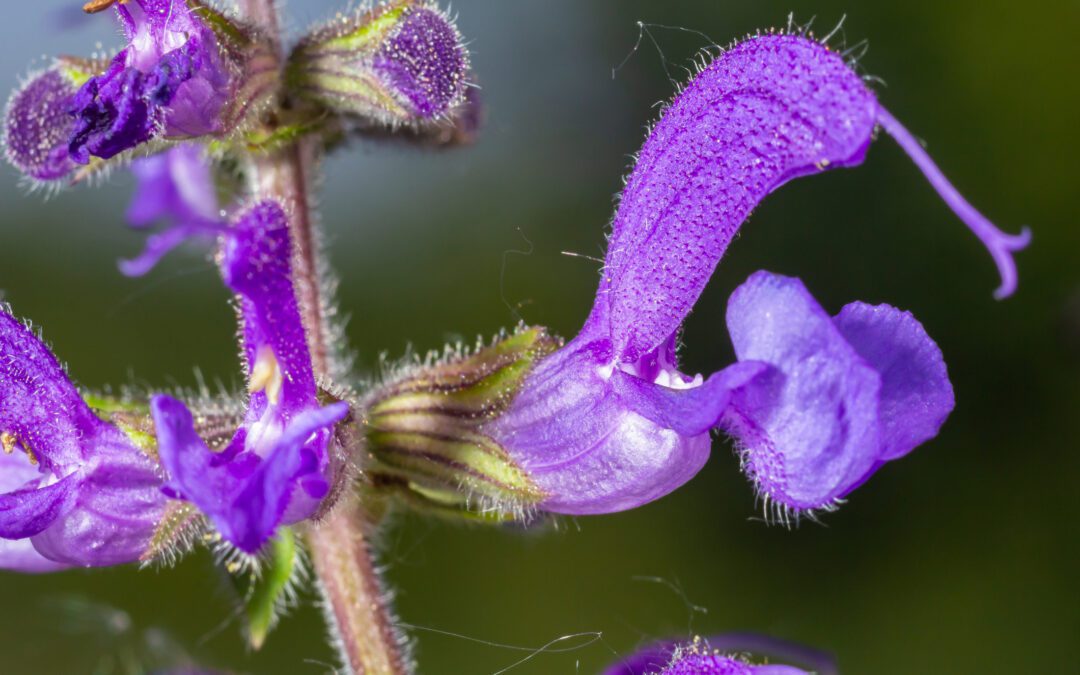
(811, 430)
(71, 481)
(37, 126)
(585, 447)
(118, 508)
(424, 64)
(257, 265)
(916, 395)
(698, 663)
(769, 110)
(39, 406)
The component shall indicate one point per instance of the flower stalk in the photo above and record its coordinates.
(356, 609)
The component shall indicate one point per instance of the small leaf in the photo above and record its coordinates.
(267, 590)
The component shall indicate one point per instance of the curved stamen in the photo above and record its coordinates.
(1001, 245)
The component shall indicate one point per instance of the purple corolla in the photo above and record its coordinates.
(278, 468)
(175, 188)
(75, 490)
(172, 80)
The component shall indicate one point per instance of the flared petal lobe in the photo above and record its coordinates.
(73, 487)
(245, 496)
(833, 407)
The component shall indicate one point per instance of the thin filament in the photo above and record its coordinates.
(1001, 245)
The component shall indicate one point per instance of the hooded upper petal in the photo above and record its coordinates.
(768, 110)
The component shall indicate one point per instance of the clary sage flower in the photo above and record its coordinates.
(75, 489)
(816, 404)
(277, 468)
(179, 77)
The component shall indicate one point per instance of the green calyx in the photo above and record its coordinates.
(79, 71)
(129, 416)
(425, 433)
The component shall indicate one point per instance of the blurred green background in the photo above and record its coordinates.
(960, 559)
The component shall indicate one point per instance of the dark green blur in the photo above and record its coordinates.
(962, 558)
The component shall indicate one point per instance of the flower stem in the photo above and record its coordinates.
(356, 606)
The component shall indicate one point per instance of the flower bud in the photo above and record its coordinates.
(37, 126)
(401, 63)
(425, 436)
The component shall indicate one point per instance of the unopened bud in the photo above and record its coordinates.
(401, 63)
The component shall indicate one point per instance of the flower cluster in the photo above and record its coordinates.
(816, 402)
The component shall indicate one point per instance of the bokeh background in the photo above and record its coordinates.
(962, 558)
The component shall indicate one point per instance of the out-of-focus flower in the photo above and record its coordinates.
(694, 658)
(175, 188)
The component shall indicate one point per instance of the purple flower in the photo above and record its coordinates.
(173, 80)
(816, 404)
(176, 188)
(277, 469)
(75, 491)
(695, 658)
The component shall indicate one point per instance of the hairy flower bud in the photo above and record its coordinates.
(425, 435)
(37, 125)
(401, 63)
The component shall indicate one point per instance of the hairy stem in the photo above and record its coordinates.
(356, 607)
(355, 600)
